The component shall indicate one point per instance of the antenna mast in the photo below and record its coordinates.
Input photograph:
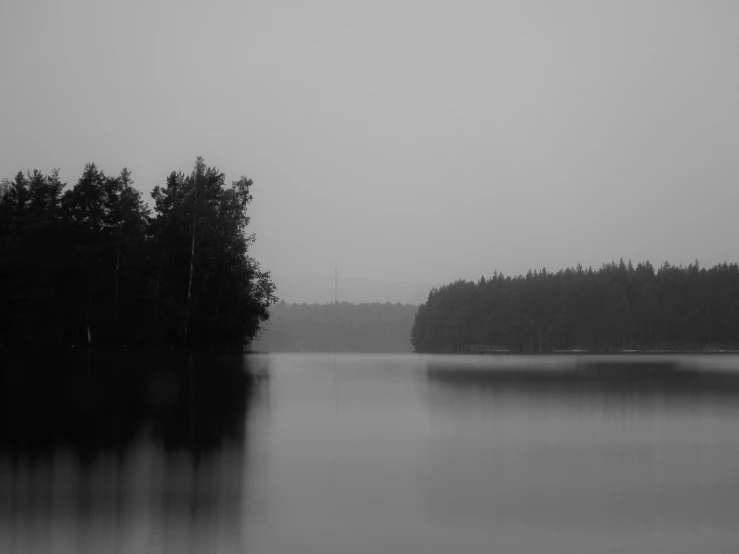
(336, 285)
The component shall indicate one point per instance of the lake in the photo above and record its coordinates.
(411, 453)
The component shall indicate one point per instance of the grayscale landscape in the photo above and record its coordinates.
(353, 276)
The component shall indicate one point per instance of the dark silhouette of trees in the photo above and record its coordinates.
(338, 327)
(618, 307)
(91, 265)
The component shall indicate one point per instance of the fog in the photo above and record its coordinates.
(409, 143)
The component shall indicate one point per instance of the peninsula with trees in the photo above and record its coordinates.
(619, 307)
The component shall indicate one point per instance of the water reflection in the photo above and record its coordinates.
(602, 379)
(590, 453)
(124, 454)
(353, 453)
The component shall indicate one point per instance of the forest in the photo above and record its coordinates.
(337, 327)
(92, 266)
(615, 308)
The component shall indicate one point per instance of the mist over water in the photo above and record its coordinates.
(407, 453)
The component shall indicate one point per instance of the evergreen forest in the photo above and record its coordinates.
(615, 308)
(92, 265)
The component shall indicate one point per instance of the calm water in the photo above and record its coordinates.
(353, 453)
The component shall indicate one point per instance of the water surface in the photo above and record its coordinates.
(410, 453)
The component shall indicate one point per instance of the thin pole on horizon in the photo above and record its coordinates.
(336, 284)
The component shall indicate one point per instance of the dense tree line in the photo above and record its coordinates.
(338, 327)
(91, 265)
(617, 307)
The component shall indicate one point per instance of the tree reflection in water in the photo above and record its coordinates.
(124, 453)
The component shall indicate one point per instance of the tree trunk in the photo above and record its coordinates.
(156, 308)
(192, 268)
(89, 309)
(117, 295)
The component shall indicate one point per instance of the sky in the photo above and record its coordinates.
(403, 144)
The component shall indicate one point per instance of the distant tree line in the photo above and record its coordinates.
(91, 265)
(338, 327)
(617, 307)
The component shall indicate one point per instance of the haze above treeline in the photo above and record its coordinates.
(337, 327)
(408, 142)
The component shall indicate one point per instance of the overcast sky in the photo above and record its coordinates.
(409, 143)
